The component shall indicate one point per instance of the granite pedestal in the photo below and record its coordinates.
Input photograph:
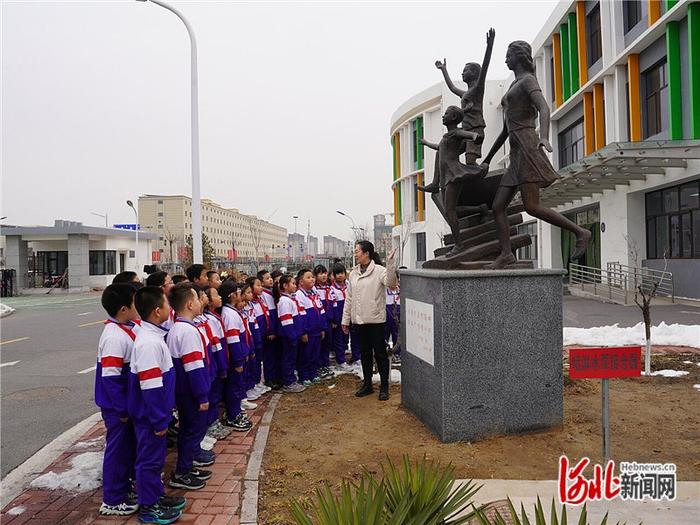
(482, 351)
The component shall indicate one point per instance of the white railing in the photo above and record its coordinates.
(619, 282)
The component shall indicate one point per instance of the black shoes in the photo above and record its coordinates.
(364, 391)
(384, 395)
(186, 481)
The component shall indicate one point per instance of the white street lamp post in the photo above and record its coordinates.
(354, 232)
(197, 255)
(136, 252)
(104, 216)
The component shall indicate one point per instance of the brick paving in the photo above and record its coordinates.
(219, 503)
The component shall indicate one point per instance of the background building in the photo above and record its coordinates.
(334, 247)
(297, 246)
(382, 235)
(232, 234)
(92, 256)
(623, 83)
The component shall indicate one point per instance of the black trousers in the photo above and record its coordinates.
(372, 343)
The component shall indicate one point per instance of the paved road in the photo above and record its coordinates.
(54, 338)
(43, 394)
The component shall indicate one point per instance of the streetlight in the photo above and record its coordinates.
(103, 216)
(136, 253)
(354, 231)
(197, 255)
(296, 218)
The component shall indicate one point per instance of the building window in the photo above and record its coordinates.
(420, 247)
(571, 144)
(160, 214)
(655, 100)
(595, 43)
(552, 94)
(528, 253)
(673, 222)
(416, 146)
(103, 262)
(52, 263)
(160, 202)
(632, 13)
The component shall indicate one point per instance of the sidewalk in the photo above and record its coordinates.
(219, 503)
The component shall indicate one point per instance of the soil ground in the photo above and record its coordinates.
(326, 434)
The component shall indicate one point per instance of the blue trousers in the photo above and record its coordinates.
(233, 393)
(326, 349)
(340, 344)
(290, 354)
(216, 392)
(393, 321)
(150, 458)
(307, 363)
(119, 458)
(193, 426)
(270, 361)
(355, 342)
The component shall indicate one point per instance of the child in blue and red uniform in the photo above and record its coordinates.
(111, 380)
(314, 317)
(339, 290)
(272, 350)
(258, 309)
(291, 330)
(188, 350)
(393, 319)
(323, 290)
(239, 340)
(150, 401)
(220, 357)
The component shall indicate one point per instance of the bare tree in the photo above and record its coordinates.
(406, 229)
(255, 231)
(645, 289)
(170, 238)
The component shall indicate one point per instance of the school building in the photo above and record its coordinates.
(623, 83)
(92, 255)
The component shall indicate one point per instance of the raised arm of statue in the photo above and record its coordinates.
(490, 37)
(442, 66)
(429, 144)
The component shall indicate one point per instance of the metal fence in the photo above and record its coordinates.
(618, 283)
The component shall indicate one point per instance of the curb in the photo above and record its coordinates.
(18, 479)
(249, 504)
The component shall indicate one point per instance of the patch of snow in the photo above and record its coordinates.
(394, 376)
(84, 475)
(16, 511)
(5, 310)
(697, 387)
(668, 373)
(356, 369)
(663, 334)
(687, 362)
(88, 444)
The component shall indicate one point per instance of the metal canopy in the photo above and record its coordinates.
(616, 164)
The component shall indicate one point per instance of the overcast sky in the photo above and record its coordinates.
(295, 101)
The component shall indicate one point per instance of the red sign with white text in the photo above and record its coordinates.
(588, 363)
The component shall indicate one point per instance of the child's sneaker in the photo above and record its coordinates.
(172, 502)
(186, 481)
(201, 474)
(242, 423)
(123, 509)
(157, 514)
(316, 380)
(307, 383)
(262, 388)
(203, 459)
(247, 405)
(252, 394)
(294, 388)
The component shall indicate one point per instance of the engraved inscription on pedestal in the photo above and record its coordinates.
(419, 330)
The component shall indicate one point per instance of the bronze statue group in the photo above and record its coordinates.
(529, 168)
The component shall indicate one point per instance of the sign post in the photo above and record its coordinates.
(605, 363)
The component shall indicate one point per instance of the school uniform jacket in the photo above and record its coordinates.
(112, 374)
(253, 325)
(291, 323)
(262, 317)
(151, 390)
(188, 349)
(315, 312)
(272, 319)
(326, 294)
(339, 293)
(219, 346)
(393, 297)
(237, 334)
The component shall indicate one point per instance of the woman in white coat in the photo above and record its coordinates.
(365, 307)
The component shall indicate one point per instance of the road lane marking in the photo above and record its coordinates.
(86, 313)
(11, 363)
(14, 340)
(90, 324)
(691, 313)
(88, 370)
